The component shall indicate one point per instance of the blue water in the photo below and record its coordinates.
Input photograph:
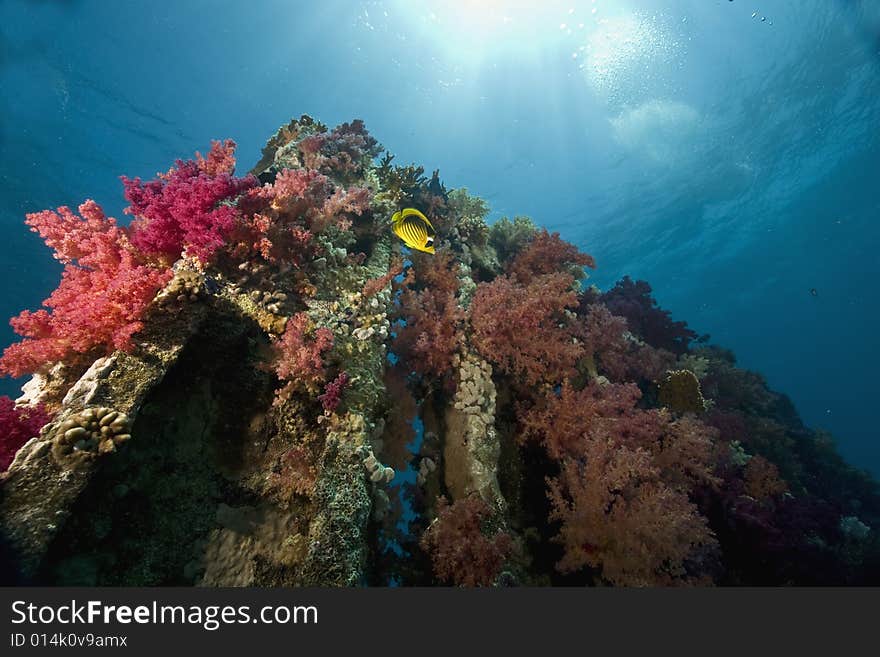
(730, 159)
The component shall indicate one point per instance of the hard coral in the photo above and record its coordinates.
(463, 550)
(18, 424)
(91, 431)
(680, 392)
(523, 327)
(104, 291)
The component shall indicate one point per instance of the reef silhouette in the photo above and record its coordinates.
(256, 384)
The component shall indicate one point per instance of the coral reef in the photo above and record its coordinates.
(462, 551)
(256, 384)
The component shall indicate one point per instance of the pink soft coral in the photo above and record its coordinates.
(101, 299)
(463, 551)
(221, 158)
(185, 209)
(523, 327)
(18, 424)
(281, 218)
(300, 356)
(342, 152)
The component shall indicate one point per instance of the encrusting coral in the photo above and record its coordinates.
(319, 405)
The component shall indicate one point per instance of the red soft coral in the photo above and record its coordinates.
(524, 329)
(462, 550)
(618, 516)
(101, 299)
(548, 254)
(300, 356)
(185, 209)
(18, 424)
(332, 395)
(616, 354)
(432, 332)
(682, 449)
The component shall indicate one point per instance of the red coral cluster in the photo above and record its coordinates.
(625, 478)
(463, 551)
(547, 253)
(523, 327)
(375, 285)
(100, 302)
(433, 320)
(18, 424)
(617, 515)
(616, 354)
(332, 395)
(190, 207)
(300, 352)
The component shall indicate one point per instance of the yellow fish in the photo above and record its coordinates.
(414, 229)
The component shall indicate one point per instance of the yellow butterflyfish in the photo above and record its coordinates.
(414, 229)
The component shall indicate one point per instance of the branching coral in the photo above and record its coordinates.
(509, 237)
(100, 302)
(463, 550)
(18, 424)
(524, 329)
